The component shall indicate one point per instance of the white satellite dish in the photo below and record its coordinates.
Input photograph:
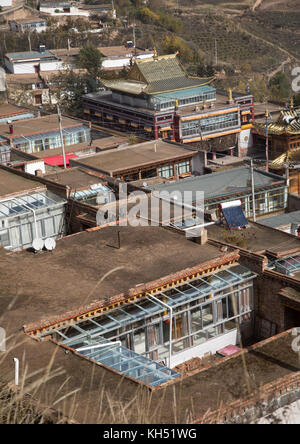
(38, 244)
(50, 244)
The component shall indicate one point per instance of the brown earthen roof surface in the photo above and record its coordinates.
(54, 283)
(38, 125)
(256, 238)
(11, 183)
(88, 391)
(135, 156)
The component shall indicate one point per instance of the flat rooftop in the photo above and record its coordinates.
(221, 102)
(38, 125)
(30, 55)
(107, 142)
(134, 156)
(80, 385)
(22, 78)
(53, 283)
(11, 184)
(226, 161)
(76, 178)
(137, 87)
(222, 183)
(106, 51)
(260, 110)
(7, 110)
(282, 219)
(30, 20)
(256, 238)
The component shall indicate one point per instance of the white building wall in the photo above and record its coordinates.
(210, 346)
(24, 68)
(122, 61)
(5, 2)
(245, 141)
(32, 166)
(29, 67)
(52, 66)
(73, 12)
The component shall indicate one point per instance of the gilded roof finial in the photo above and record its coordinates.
(292, 103)
(230, 95)
(267, 113)
(155, 56)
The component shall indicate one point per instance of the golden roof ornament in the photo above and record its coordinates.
(155, 56)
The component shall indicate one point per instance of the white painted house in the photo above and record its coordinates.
(29, 24)
(61, 8)
(31, 62)
(5, 3)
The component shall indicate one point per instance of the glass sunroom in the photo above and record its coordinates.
(167, 326)
(24, 218)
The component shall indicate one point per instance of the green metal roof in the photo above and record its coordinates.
(189, 92)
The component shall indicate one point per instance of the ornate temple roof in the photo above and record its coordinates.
(155, 75)
(291, 157)
(288, 123)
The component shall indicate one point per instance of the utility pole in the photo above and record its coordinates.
(61, 136)
(252, 191)
(216, 52)
(267, 139)
(134, 41)
(29, 41)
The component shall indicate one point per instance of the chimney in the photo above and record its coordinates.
(202, 238)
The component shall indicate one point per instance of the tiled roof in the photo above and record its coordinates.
(155, 75)
(174, 83)
(292, 156)
(283, 125)
(130, 86)
(160, 68)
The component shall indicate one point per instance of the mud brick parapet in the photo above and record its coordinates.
(266, 400)
(255, 261)
(270, 397)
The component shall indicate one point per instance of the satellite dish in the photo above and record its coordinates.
(38, 244)
(50, 244)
